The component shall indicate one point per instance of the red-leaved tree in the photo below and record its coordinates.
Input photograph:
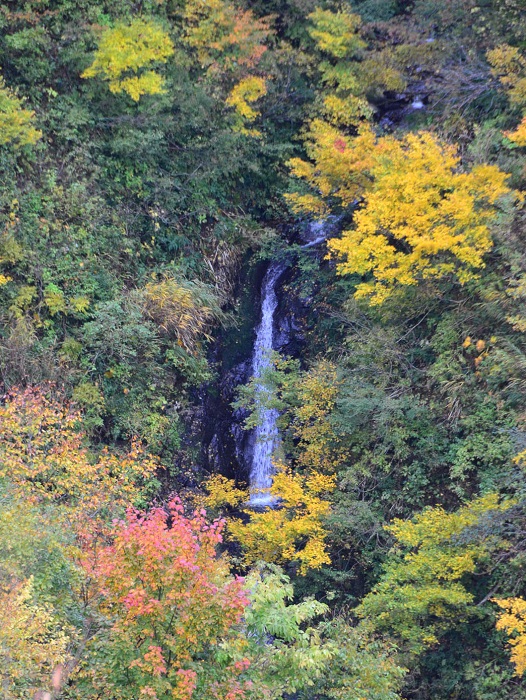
(172, 610)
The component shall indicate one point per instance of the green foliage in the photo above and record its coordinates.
(33, 547)
(29, 50)
(297, 655)
(362, 665)
(135, 206)
(421, 594)
(376, 10)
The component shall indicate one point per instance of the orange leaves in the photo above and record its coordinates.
(230, 43)
(225, 37)
(185, 685)
(174, 602)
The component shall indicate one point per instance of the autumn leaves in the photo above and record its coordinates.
(227, 42)
(422, 215)
(419, 216)
(124, 603)
(124, 55)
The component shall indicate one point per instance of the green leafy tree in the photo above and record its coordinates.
(297, 655)
(362, 665)
(422, 593)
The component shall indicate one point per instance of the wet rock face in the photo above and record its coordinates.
(224, 442)
(214, 457)
(289, 319)
(227, 442)
(238, 436)
(403, 105)
(310, 233)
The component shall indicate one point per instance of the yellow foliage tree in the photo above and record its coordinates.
(336, 33)
(125, 55)
(293, 531)
(338, 168)
(229, 43)
(519, 135)
(336, 36)
(338, 162)
(221, 492)
(32, 642)
(242, 97)
(509, 65)
(16, 123)
(421, 218)
(421, 594)
(10, 250)
(348, 71)
(43, 455)
(513, 622)
(318, 443)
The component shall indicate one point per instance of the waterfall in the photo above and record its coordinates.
(266, 436)
(266, 432)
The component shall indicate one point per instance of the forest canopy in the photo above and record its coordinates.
(278, 243)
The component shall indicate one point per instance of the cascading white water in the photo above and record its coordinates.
(266, 432)
(266, 436)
